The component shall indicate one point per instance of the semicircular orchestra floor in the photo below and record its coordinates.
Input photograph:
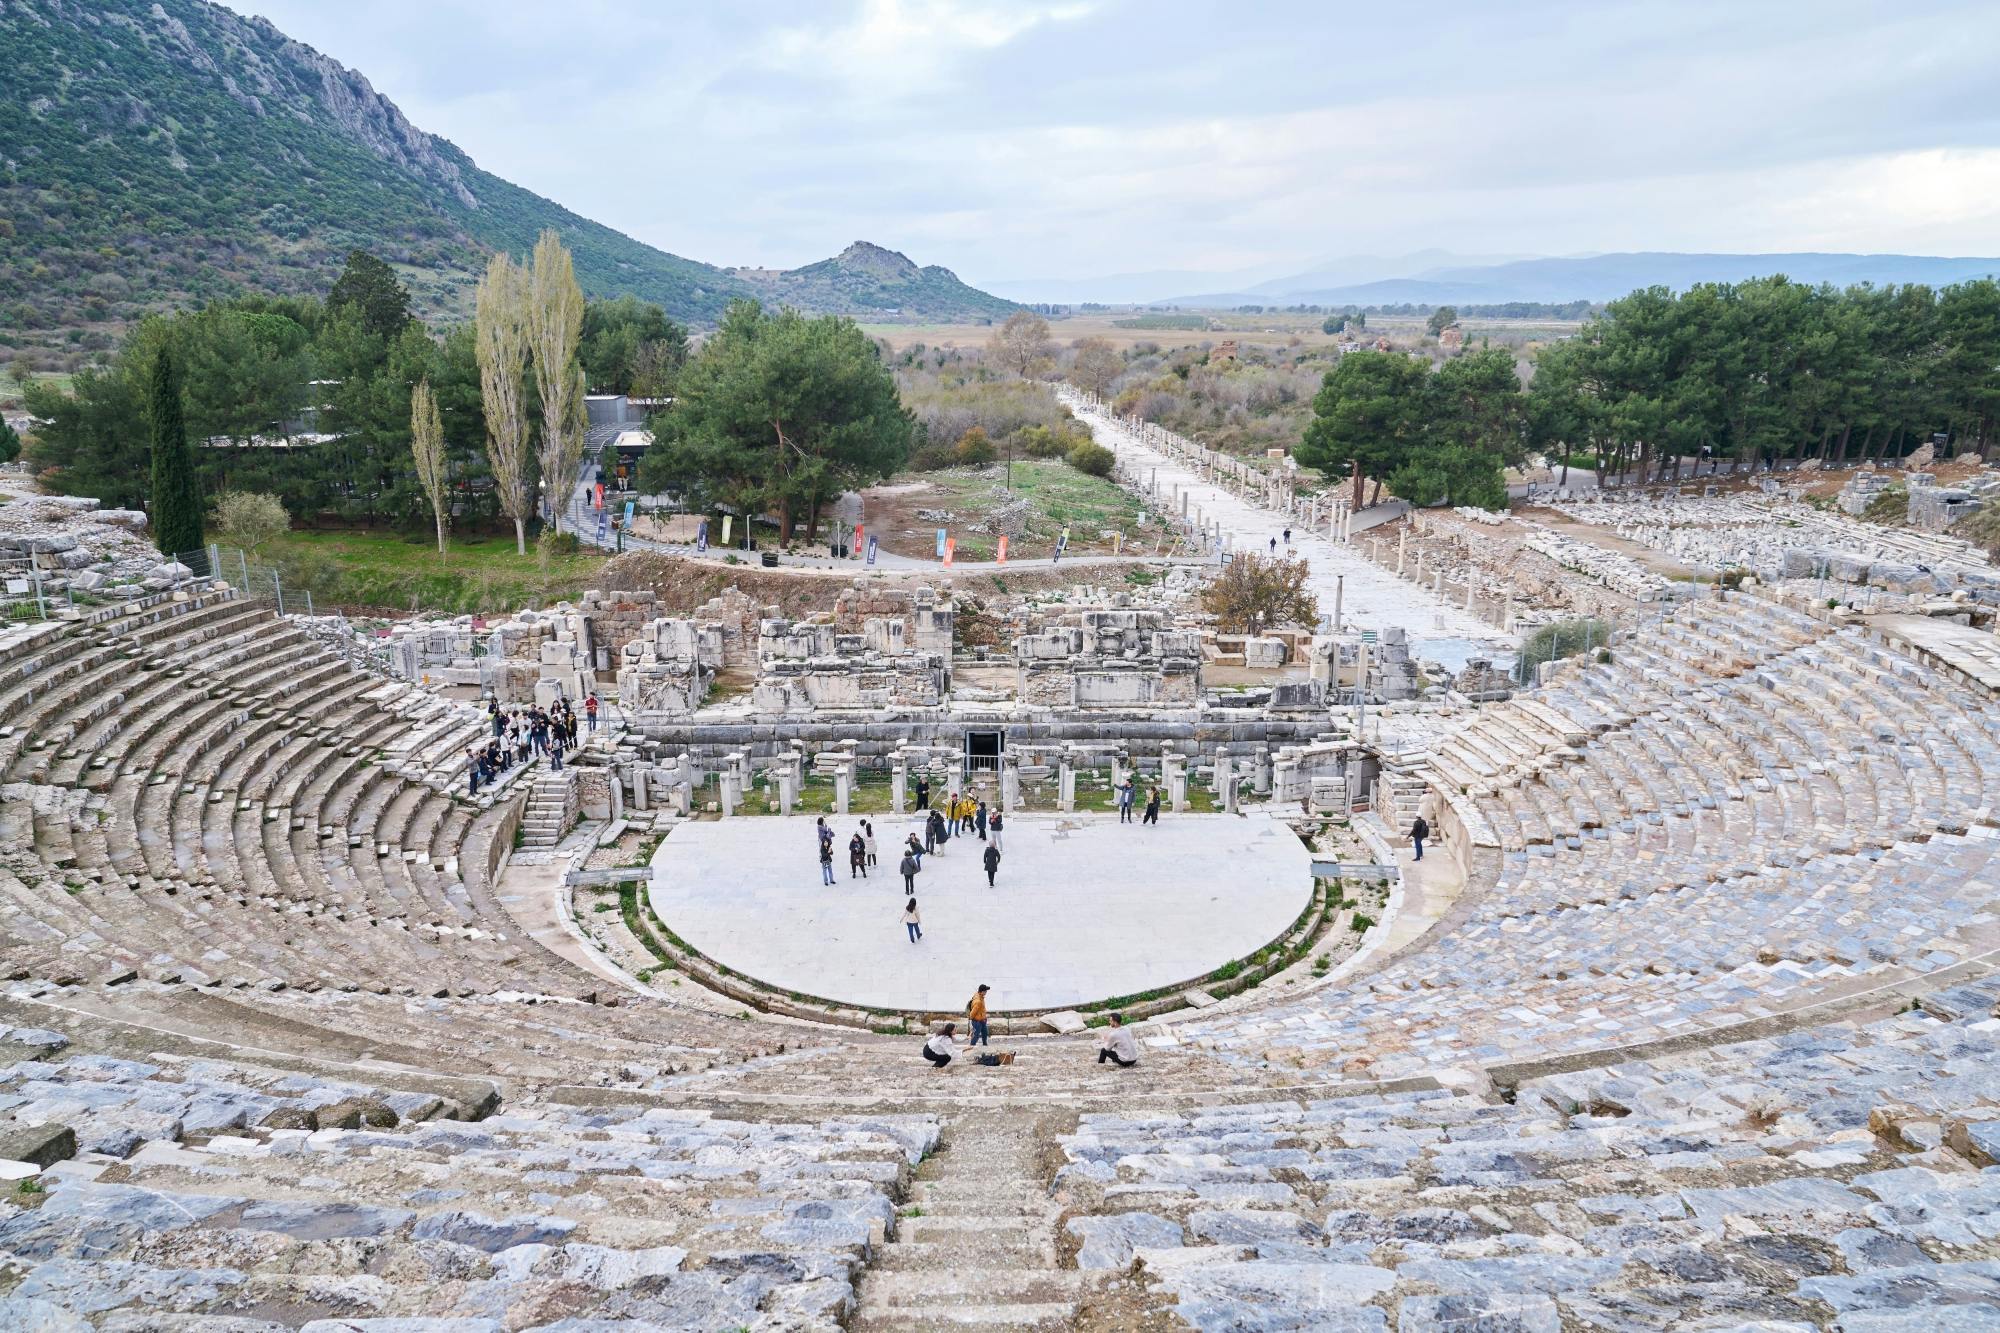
(1085, 908)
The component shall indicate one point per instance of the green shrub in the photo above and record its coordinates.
(931, 458)
(1092, 459)
(973, 449)
(1565, 638)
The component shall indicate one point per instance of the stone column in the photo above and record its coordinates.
(1117, 770)
(1010, 783)
(732, 791)
(1260, 779)
(899, 781)
(788, 785)
(1229, 791)
(843, 782)
(1173, 768)
(1402, 545)
(1065, 781)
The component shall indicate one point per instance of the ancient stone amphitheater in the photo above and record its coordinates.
(1707, 1040)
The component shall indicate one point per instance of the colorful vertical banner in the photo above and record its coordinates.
(728, 521)
(628, 513)
(950, 545)
(701, 536)
(856, 547)
(603, 527)
(1003, 548)
(941, 543)
(600, 495)
(1117, 543)
(871, 550)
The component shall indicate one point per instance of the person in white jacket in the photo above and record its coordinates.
(940, 1048)
(1118, 1045)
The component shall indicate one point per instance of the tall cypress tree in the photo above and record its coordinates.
(176, 491)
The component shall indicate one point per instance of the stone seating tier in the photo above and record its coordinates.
(1841, 1177)
(206, 1192)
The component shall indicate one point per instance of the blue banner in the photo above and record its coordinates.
(701, 536)
(940, 548)
(871, 550)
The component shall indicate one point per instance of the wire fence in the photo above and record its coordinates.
(23, 595)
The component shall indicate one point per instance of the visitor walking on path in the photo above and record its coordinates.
(868, 840)
(590, 711)
(976, 1011)
(913, 921)
(992, 863)
(979, 820)
(1117, 1044)
(940, 1048)
(826, 860)
(857, 857)
(910, 866)
(1125, 802)
(1152, 807)
(993, 831)
(1418, 832)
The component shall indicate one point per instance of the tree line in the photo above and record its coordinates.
(1771, 369)
(309, 399)
(1752, 372)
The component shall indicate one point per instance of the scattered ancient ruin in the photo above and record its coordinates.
(1686, 1018)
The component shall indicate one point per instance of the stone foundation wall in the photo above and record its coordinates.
(877, 738)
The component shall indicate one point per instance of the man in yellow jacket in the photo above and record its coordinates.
(976, 1011)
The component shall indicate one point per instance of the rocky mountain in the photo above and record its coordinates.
(154, 154)
(872, 282)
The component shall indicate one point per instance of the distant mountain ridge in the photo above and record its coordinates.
(1600, 278)
(156, 154)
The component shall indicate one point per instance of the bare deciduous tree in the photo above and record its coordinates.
(1097, 363)
(555, 323)
(501, 328)
(427, 447)
(1022, 342)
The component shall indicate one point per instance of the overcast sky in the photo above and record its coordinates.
(1011, 139)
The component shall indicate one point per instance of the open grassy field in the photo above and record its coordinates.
(1057, 494)
(384, 571)
(1267, 329)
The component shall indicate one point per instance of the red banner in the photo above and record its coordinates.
(1003, 548)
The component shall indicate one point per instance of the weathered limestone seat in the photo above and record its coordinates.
(1846, 1173)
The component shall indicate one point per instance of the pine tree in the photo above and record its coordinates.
(176, 492)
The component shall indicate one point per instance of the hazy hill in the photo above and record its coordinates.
(1596, 278)
(155, 154)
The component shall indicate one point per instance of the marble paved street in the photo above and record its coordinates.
(1374, 598)
(1085, 909)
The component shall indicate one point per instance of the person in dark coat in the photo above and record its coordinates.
(992, 864)
(923, 793)
(1418, 832)
(857, 857)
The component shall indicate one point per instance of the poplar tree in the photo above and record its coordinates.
(500, 318)
(427, 447)
(176, 491)
(555, 324)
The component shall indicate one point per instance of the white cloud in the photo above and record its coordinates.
(892, 48)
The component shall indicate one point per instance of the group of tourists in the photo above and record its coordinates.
(1116, 1045)
(860, 851)
(522, 735)
(1128, 792)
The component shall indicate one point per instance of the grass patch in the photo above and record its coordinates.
(1059, 497)
(390, 572)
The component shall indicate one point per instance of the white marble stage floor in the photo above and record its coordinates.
(1090, 912)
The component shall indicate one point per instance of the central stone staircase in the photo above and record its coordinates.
(975, 1240)
(552, 810)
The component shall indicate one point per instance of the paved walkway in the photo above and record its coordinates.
(1373, 597)
(1085, 909)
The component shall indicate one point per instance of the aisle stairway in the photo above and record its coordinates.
(975, 1241)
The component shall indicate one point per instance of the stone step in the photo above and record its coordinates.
(980, 1229)
(970, 1250)
(1050, 1315)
